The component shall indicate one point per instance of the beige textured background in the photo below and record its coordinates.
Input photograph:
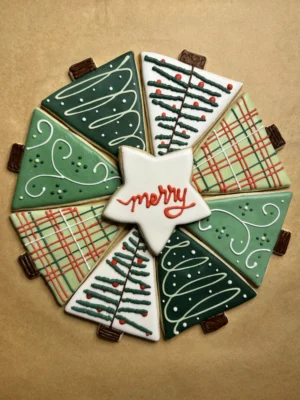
(46, 354)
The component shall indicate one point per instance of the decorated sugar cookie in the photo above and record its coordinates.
(120, 294)
(65, 244)
(104, 105)
(237, 155)
(195, 285)
(157, 195)
(244, 230)
(183, 101)
(59, 168)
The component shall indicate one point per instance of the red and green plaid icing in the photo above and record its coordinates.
(237, 156)
(65, 244)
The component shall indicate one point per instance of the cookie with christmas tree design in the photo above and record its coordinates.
(59, 168)
(104, 106)
(120, 294)
(238, 155)
(244, 230)
(195, 285)
(65, 244)
(183, 101)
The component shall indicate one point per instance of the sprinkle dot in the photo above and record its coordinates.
(110, 65)
(96, 111)
(83, 119)
(222, 230)
(174, 254)
(282, 201)
(34, 136)
(198, 272)
(237, 261)
(62, 103)
(210, 291)
(169, 263)
(116, 133)
(130, 125)
(174, 275)
(189, 276)
(81, 100)
(59, 191)
(114, 109)
(230, 282)
(118, 122)
(21, 197)
(175, 309)
(124, 101)
(263, 238)
(79, 164)
(103, 134)
(94, 89)
(226, 306)
(120, 76)
(190, 299)
(37, 160)
(163, 301)
(193, 252)
(246, 208)
(209, 264)
(48, 100)
(184, 324)
(138, 146)
(111, 88)
(217, 270)
(106, 187)
(174, 284)
(183, 256)
(257, 275)
(245, 296)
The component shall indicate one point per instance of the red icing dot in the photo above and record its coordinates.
(163, 60)
(147, 334)
(213, 99)
(114, 262)
(163, 114)
(178, 76)
(201, 84)
(123, 247)
(196, 104)
(144, 314)
(229, 86)
(88, 296)
(122, 322)
(158, 81)
(143, 287)
(174, 105)
(184, 131)
(99, 309)
(203, 116)
(140, 261)
(158, 91)
(144, 251)
(161, 143)
(115, 284)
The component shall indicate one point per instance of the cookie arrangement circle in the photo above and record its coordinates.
(111, 216)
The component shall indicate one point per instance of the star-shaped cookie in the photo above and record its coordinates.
(157, 194)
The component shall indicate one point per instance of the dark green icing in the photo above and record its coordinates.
(58, 168)
(195, 285)
(246, 225)
(113, 93)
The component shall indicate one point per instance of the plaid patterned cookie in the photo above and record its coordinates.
(237, 156)
(65, 244)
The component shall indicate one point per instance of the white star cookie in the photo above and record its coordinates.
(157, 194)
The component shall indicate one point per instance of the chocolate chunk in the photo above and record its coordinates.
(214, 323)
(192, 59)
(282, 242)
(108, 333)
(15, 157)
(82, 68)
(28, 266)
(275, 136)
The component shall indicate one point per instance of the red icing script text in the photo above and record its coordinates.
(165, 195)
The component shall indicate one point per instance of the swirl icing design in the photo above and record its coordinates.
(105, 106)
(195, 284)
(59, 168)
(244, 230)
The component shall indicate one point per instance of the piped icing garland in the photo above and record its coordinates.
(104, 106)
(195, 285)
(120, 293)
(65, 244)
(244, 230)
(59, 168)
(237, 156)
(183, 101)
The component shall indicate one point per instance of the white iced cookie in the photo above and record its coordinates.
(157, 195)
(182, 101)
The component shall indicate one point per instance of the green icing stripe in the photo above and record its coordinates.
(165, 106)
(91, 313)
(165, 97)
(197, 108)
(106, 289)
(135, 291)
(84, 303)
(132, 310)
(109, 280)
(133, 301)
(191, 117)
(163, 137)
(137, 326)
(170, 77)
(167, 65)
(164, 86)
(188, 127)
(182, 135)
(169, 119)
(201, 89)
(101, 297)
(165, 126)
(201, 98)
(209, 82)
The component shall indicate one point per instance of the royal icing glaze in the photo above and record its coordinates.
(195, 285)
(237, 156)
(157, 194)
(244, 230)
(183, 101)
(121, 292)
(59, 168)
(104, 106)
(65, 244)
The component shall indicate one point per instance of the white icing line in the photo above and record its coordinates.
(229, 163)
(40, 131)
(77, 244)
